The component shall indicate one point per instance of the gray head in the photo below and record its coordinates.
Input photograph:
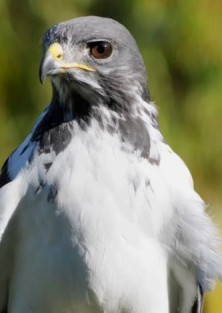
(96, 58)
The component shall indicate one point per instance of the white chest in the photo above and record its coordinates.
(115, 203)
(100, 231)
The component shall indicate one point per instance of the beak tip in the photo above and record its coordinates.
(42, 80)
(44, 68)
(41, 76)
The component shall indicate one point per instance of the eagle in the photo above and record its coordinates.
(97, 213)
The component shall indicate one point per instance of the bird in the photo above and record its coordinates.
(97, 212)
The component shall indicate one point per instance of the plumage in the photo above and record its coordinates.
(97, 213)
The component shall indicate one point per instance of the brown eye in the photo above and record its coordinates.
(100, 49)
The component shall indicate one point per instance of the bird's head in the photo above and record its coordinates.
(95, 58)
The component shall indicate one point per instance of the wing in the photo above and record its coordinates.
(4, 176)
(4, 179)
(190, 237)
(185, 295)
(198, 304)
(12, 189)
(13, 186)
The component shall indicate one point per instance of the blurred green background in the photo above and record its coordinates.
(181, 44)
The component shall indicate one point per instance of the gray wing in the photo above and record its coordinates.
(4, 176)
(176, 298)
(198, 305)
(4, 257)
(12, 190)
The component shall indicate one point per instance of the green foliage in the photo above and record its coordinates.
(182, 48)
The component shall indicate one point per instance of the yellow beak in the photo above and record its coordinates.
(53, 63)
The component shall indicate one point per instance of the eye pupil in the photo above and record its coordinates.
(100, 49)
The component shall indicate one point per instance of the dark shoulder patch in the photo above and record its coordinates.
(134, 131)
(53, 132)
(4, 175)
(53, 118)
(55, 139)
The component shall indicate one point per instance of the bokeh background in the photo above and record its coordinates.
(181, 44)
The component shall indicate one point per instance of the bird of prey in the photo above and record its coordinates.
(97, 213)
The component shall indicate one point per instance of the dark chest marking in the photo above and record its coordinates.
(134, 132)
(55, 130)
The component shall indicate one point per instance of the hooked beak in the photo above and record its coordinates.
(52, 63)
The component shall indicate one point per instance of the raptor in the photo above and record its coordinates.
(97, 213)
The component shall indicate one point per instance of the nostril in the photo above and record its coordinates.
(59, 56)
(56, 51)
